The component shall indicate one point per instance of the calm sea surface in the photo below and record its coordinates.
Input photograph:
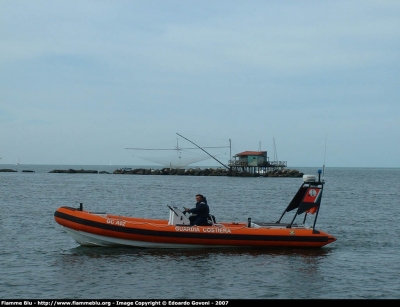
(360, 207)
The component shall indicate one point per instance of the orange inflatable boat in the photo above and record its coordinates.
(102, 229)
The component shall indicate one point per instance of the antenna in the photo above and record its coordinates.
(275, 153)
(323, 167)
(230, 150)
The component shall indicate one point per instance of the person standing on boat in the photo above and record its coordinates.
(200, 213)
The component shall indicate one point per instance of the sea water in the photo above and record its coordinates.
(38, 260)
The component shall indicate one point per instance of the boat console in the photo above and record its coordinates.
(177, 217)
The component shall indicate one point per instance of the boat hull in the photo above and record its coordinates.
(101, 229)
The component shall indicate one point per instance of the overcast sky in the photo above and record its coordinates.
(310, 82)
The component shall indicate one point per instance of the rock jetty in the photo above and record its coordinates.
(9, 170)
(174, 171)
(74, 171)
(208, 172)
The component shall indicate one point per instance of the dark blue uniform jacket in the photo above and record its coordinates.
(202, 210)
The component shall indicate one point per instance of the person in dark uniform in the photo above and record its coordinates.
(200, 212)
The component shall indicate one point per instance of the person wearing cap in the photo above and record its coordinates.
(199, 213)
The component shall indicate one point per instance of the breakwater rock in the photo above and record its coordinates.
(74, 171)
(9, 170)
(187, 172)
(208, 172)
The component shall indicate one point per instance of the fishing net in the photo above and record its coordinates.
(175, 156)
(177, 160)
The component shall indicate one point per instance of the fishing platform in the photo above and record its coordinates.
(255, 162)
